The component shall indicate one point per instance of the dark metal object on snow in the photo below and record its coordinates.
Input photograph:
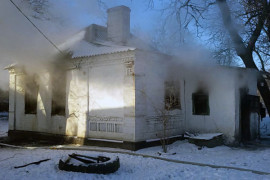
(99, 164)
(36, 163)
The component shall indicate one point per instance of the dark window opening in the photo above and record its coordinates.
(172, 96)
(31, 93)
(200, 104)
(4, 100)
(59, 94)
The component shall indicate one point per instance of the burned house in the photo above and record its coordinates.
(113, 87)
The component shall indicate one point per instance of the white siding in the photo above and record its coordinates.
(151, 72)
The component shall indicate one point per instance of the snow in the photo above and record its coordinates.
(131, 167)
(256, 159)
(81, 48)
(265, 128)
(106, 140)
(158, 139)
(138, 167)
(3, 114)
(206, 136)
(76, 162)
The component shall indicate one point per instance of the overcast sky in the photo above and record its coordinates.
(21, 42)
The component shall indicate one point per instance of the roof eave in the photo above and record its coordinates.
(86, 56)
(11, 66)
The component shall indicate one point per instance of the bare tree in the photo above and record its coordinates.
(39, 7)
(162, 115)
(258, 14)
(252, 41)
(163, 108)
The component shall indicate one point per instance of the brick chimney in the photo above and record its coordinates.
(118, 29)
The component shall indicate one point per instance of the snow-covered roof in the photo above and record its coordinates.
(83, 48)
(79, 47)
(11, 66)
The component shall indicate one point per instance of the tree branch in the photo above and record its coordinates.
(240, 47)
(256, 33)
(260, 58)
(236, 38)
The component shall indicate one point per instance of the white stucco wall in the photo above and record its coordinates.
(219, 84)
(101, 92)
(12, 92)
(77, 102)
(121, 96)
(102, 97)
(222, 85)
(18, 120)
(151, 72)
(42, 120)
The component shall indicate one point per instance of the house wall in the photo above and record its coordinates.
(12, 91)
(17, 119)
(151, 72)
(121, 96)
(220, 85)
(102, 99)
(42, 121)
(246, 78)
(77, 102)
(223, 86)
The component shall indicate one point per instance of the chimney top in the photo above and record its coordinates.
(118, 25)
(117, 8)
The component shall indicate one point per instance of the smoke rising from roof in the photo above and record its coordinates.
(21, 42)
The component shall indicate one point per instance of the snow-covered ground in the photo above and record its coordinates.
(131, 167)
(253, 158)
(137, 167)
(265, 128)
(3, 124)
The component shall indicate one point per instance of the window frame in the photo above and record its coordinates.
(203, 97)
(30, 99)
(59, 81)
(172, 88)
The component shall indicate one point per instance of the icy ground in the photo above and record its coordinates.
(133, 167)
(249, 158)
(137, 167)
(265, 128)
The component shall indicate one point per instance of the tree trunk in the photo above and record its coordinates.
(245, 53)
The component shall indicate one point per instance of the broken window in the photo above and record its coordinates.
(200, 104)
(59, 94)
(31, 93)
(172, 96)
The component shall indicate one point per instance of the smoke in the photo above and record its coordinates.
(21, 42)
(59, 20)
